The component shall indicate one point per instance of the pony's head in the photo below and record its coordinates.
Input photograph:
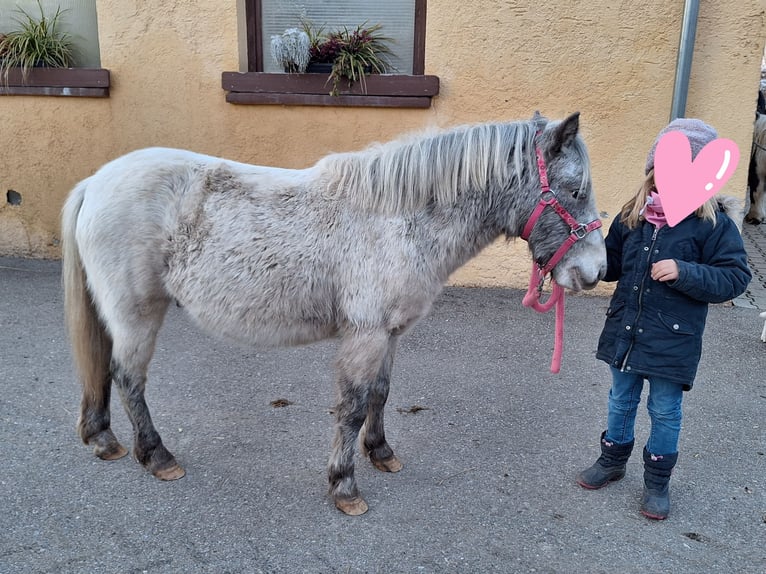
(566, 164)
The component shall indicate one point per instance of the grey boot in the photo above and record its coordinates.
(609, 467)
(655, 502)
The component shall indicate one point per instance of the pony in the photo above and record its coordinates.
(355, 247)
(756, 176)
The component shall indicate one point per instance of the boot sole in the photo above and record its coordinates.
(587, 486)
(653, 516)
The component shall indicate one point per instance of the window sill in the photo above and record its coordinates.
(77, 82)
(382, 90)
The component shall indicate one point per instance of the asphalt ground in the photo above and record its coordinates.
(490, 441)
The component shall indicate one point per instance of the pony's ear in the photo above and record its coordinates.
(539, 120)
(565, 132)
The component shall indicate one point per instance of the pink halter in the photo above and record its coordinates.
(539, 272)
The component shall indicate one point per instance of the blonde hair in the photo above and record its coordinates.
(631, 213)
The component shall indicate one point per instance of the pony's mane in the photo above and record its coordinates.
(407, 173)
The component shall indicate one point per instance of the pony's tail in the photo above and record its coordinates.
(91, 343)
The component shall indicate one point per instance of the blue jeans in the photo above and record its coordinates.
(663, 404)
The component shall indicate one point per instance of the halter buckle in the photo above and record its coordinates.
(580, 231)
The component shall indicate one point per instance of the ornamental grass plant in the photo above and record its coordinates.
(352, 53)
(37, 42)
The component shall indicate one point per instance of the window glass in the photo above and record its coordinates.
(397, 18)
(77, 18)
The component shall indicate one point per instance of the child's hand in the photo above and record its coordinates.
(665, 270)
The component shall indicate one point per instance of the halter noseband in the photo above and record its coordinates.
(539, 272)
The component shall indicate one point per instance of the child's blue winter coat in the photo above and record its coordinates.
(655, 328)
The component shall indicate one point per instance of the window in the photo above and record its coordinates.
(402, 20)
(77, 19)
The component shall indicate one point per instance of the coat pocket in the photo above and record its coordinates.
(675, 324)
(674, 347)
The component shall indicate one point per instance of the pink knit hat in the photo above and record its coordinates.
(698, 132)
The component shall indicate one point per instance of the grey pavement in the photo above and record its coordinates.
(489, 461)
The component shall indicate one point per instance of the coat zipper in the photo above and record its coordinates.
(641, 296)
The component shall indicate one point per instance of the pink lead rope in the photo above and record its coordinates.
(532, 299)
(537, 278)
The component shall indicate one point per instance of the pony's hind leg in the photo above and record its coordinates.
(359, 361)
(147, 444)
(133, 349)
(94, 425)
(373, 436)
(92, 352)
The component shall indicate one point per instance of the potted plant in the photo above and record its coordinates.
(37, 43)
(349, 54)
(290, 50)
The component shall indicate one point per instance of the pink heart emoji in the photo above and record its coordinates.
(682, 184)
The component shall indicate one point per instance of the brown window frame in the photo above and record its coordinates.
(389, 90)
(76, 82)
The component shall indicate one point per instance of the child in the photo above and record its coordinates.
(666, 277)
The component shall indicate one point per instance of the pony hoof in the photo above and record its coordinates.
(173, 473)
(106, 446)
(390, 464)
(351, 506)
(110, 452)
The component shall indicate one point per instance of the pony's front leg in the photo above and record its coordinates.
(373, 435)
(147, 444)
(359, 361)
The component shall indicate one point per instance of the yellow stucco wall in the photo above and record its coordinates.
(612, 61)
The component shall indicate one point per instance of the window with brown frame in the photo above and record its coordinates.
(261, 84)
(77, 19)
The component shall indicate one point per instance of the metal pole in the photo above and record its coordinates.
(684, 63)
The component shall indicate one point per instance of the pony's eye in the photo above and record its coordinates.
(575, 194)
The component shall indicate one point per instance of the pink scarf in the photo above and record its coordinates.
(653, 212)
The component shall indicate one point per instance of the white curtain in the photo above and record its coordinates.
(397, 18)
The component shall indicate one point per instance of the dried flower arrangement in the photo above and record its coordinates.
(344, 54)
(290, 50)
